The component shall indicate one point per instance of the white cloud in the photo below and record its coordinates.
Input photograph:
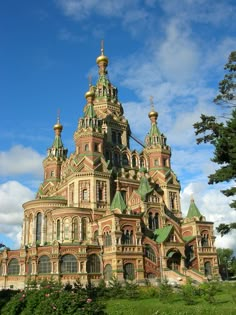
(79, 9)
(12, 196)
(20, 160)
(214, 206)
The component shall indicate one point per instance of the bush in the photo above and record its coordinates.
(115, 288)
(189, 293)
(52, 299)
(165, 291)
(131, 290)
(209, 291)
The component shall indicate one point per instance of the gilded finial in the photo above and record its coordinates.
(152, 113)
(102, 60)
(58, 126)
(90, 93)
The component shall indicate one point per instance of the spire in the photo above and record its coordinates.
(89, 95)
(193, 210)
(154, 135)
(118, 201)
(102, 60)
(57, 148)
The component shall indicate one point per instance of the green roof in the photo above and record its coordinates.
(57, 143)
(154, 131)
(144, 188)
(90, 113)
(163, 233)
(118, 202)
(193, 210)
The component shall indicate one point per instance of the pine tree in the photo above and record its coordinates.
(223, 136)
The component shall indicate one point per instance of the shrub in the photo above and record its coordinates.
(165, 291)
(131, 290)
(115, 288)
(188, 293)
(209, 291)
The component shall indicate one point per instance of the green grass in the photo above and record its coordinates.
(225, 304)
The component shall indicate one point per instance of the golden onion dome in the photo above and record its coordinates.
(102, 58)
(58, 126)
(153, 113)
(89, 93)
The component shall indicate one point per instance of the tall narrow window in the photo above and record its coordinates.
(108, 272)
(13, 267)
(44, 264)
(85, 194)
(129, 271)
(134, 162)
(66, 230)
(93, 264)
(68, 264)
(58, 229)
(113, 136)
(84, 229)
(75, 229)
(38, 227)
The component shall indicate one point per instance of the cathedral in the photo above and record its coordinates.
(106, 210)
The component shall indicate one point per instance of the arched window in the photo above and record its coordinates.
(58, 229)
(44, 264)
(204, 240)
(107, 272)
(13, 267)
(75, 229)
(127, 237)
(38, 226)
(150, 220)
(153, 222)
(150, 254)
(66, 229)
(107, 239)
(125, 160)
(134, 161)
(207, 268)
(68, 264)
(129, 271)
(93, 264)
(86, 147)
(83, 229)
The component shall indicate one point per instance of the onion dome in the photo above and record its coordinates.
(102, 57)
(153, 113)
(88, 94)
(58, 126)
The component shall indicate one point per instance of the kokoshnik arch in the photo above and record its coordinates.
(107, 209)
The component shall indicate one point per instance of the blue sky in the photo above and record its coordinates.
(173, 50)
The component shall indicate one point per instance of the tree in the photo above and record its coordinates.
(222, 135)
(227, 262)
